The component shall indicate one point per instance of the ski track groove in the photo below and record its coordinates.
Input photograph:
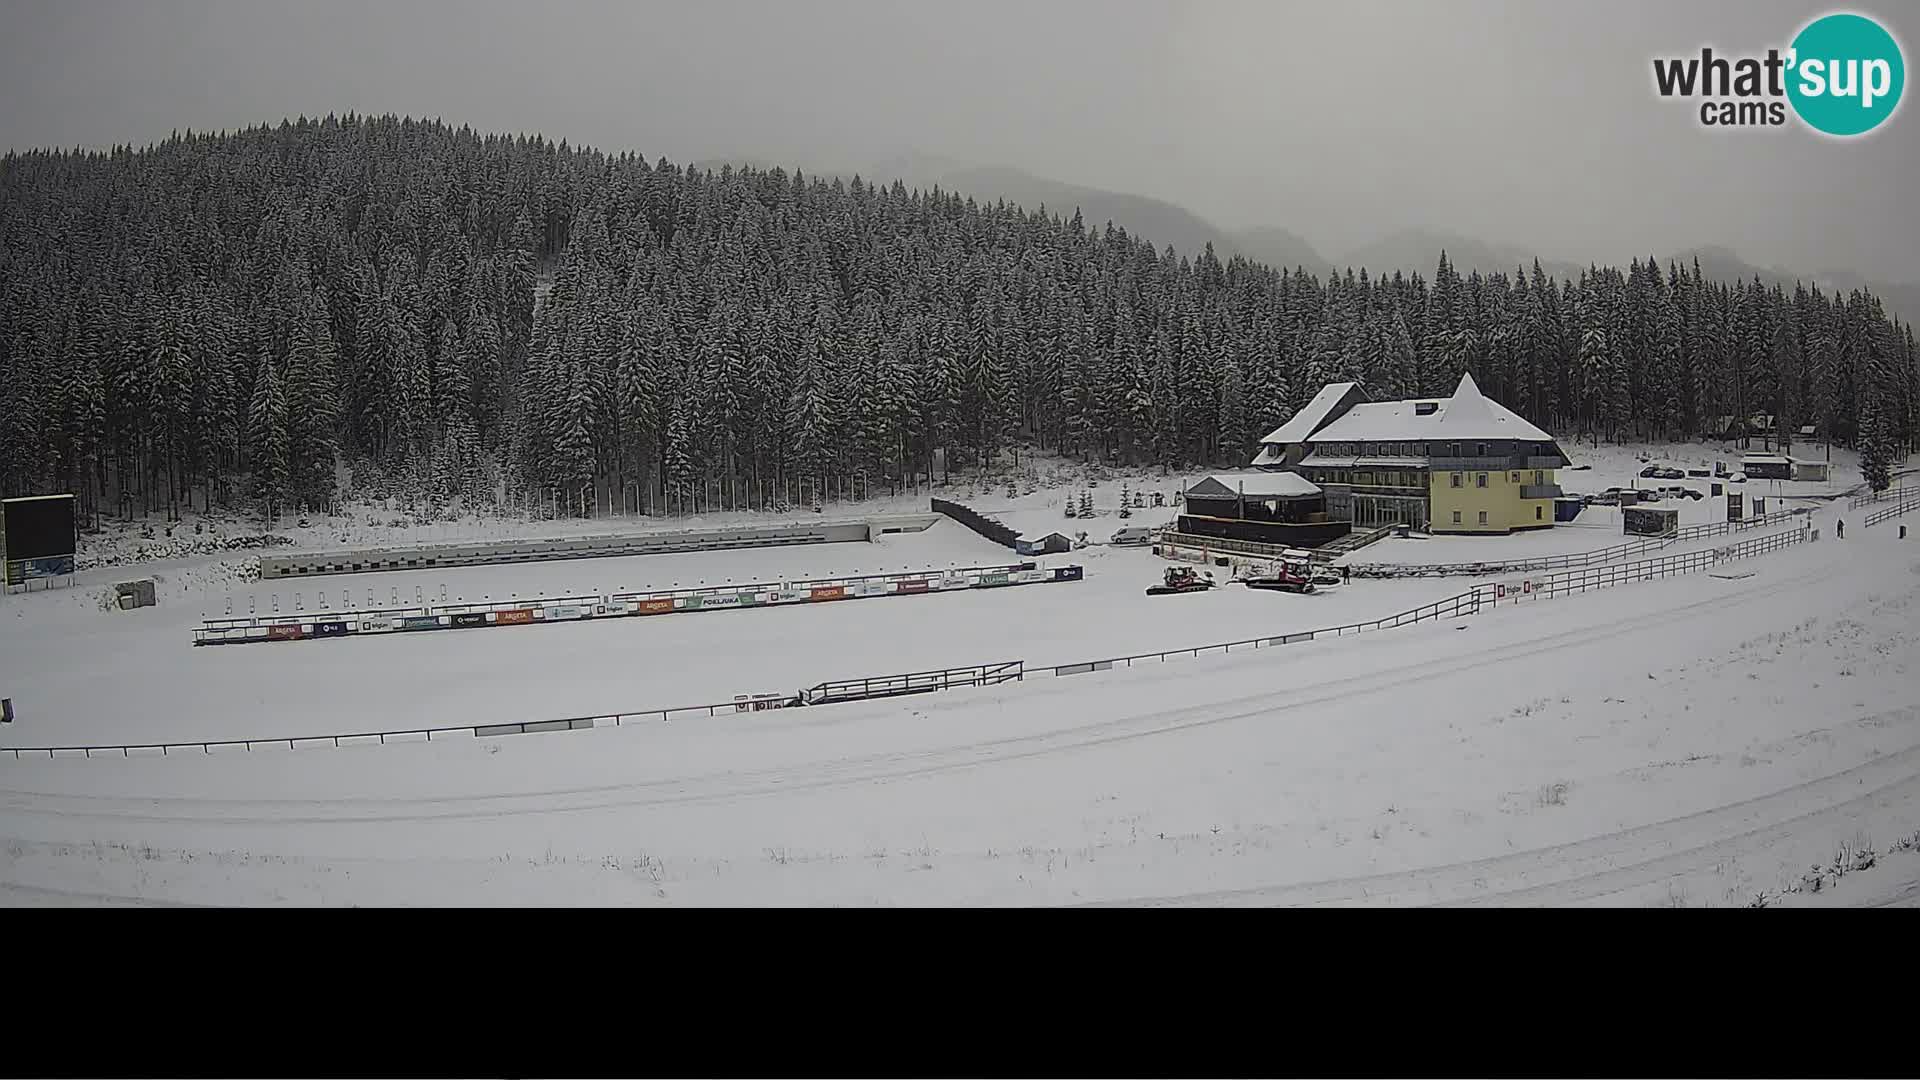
(1470, 878)
(881, 768)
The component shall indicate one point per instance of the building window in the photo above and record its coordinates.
(1537, 477)
(1483, 450)
(1483, 517)
(1455, 477)
(1480, 480)
(1515, 477)
(1537, 513)
(1456, 517)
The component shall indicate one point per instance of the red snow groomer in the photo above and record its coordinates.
(1287, 575)
(1181, 579)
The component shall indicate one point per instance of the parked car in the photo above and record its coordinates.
(1672, 474)
(1737, 478)
(1650, 472)
(1133, 534)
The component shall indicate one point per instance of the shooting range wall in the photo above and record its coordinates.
(484, 553)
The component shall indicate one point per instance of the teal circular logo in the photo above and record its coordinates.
(1847, 74)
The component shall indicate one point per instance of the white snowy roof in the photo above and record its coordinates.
(1767, 459)
(1311, 416)
(1468, 414)
(1266, 485)
(1269, 455)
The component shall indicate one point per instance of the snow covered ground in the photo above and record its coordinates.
(79, 675)
(1696, 741)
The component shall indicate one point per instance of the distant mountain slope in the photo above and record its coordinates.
(1408, 250)
(1419, 249)
(1901, 299)
(1280, 248)
(1155, 220)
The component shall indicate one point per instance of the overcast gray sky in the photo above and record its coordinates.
(1530, 122)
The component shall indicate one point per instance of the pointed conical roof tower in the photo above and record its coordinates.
(1468, 410)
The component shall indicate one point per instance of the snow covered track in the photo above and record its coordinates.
(1894, 511)
(1576, 560)
(1487, 597)
(1704, 740)
(1615, 863)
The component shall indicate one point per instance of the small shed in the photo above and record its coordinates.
(133, 594)
(1649, 520)
(1815, 471)
(1767, 467)
(1044, 544)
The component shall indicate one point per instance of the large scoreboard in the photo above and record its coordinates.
(37, 537)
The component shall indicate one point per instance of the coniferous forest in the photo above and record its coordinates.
(243, 319)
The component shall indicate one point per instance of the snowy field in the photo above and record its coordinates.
(1698, 741)
(1694, 742)
(79, 675)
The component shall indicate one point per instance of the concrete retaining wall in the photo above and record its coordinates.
(490, 552)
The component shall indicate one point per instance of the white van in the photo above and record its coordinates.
(1133, 534)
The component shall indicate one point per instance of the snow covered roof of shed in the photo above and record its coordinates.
(1312, 415)
(1767, 459)
(1468, 414)
(1256, 485)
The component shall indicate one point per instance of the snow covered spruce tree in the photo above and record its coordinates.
(230, 318)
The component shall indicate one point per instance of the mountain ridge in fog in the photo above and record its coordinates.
(1406, 249)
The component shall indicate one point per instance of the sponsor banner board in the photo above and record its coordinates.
(330, 628)
(284, 632)
(470, 618)
(21, 571)
(515, 615)
(828, 592)
(914, 585)
(420, 622)
(658, 606)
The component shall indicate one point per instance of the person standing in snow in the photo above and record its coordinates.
(1839, 529)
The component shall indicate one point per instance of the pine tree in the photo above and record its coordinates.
(267, 437)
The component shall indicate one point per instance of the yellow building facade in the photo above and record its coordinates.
(1490, 500)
